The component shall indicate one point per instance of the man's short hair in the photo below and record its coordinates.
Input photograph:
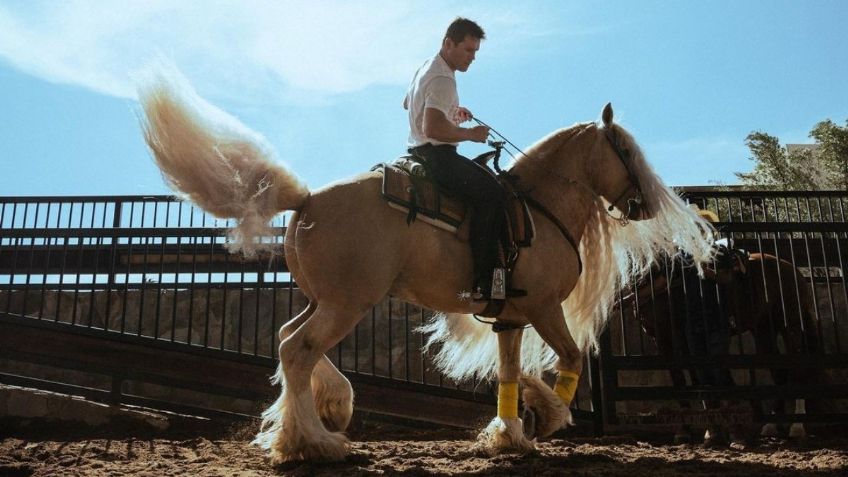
(462, 27)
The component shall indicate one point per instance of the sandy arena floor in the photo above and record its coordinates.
(33, 449)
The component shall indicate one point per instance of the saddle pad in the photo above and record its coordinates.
(416, 195)
(429, 204)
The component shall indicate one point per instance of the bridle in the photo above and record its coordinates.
(634, 202)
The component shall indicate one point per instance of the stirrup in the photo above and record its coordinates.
(498, 284)
(498, 291)
(481, 295)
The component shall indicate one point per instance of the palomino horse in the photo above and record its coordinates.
(347, 249)
(763, 295)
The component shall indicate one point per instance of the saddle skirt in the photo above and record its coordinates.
(407, 188)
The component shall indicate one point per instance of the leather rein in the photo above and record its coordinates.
(634, 203)
(624, 155)
(558, 223)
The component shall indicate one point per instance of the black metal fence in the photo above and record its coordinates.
(155, 271)
(781, 333)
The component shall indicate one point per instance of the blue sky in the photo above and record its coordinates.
(324, 80)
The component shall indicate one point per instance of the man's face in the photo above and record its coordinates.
(460, 55)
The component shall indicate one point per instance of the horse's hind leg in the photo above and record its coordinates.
(505, 432)
(793, 342)
(670, 331)
(333, 395)
(332, 391)
(273, 416)
(766, 342)
(301, 434)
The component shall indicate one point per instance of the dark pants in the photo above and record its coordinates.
(705, 327)
(465, 179)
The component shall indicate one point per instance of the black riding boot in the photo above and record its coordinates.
(485, 227)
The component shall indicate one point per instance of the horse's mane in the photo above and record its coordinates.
(613, 257)
(549, 144)
(617, 256)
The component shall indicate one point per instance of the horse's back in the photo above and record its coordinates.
(348, 239)
(777, 296)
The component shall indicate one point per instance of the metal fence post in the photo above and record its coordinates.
(608, 380)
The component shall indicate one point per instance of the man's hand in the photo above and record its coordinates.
(478, 134)
(462, 115)
(437, 126)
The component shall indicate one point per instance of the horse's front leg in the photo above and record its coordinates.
(505, 433)
(551, 406)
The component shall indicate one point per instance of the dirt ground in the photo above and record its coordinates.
(378, 448)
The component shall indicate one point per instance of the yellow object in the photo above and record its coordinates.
(566, 386)
(507, 400)
(708, 215)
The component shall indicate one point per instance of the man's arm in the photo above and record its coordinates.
(437, 126)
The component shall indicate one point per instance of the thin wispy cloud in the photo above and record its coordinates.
(266, 48)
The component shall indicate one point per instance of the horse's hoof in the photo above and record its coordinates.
(713, 443)
(738, 444)
(769, 430)
(739, 437)
(528, 421)
(797, 431)
(714, 437)
(504, 436)
(683, 438)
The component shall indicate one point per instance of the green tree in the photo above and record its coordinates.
(833, 151)
(823, 167)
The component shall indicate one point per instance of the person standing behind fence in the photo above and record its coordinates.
(434, 132)
(707, 333)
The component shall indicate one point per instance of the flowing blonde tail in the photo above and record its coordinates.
(214, 160)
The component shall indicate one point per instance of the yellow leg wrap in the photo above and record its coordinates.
(566, 386)
(507, 400)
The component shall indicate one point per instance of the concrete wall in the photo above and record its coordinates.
(26, 403)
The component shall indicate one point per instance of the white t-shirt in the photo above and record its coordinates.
(434, 86)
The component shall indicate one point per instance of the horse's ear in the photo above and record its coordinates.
(607, 115)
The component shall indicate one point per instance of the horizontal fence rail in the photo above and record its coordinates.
(660, 351)
(154, 271)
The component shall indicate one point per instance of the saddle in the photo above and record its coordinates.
(407, 188)
(729, 269)
(728, 272)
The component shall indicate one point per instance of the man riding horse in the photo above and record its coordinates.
(434, 131)
(347, 248)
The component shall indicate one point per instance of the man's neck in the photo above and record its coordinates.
(442, 54)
